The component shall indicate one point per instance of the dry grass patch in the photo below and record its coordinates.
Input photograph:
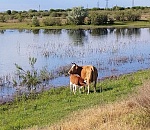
(131, 114)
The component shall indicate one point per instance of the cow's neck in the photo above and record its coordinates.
(79, 70)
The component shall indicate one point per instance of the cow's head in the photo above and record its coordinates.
(74, 69)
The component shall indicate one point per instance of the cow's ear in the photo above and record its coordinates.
(73, 63)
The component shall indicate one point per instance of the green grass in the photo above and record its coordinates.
(24, 25)
(51, 106)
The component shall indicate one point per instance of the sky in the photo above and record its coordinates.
(21, 5)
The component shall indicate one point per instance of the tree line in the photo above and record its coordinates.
(76, 16)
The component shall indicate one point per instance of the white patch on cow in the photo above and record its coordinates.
(73, 66)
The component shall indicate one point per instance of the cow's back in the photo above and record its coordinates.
(89, 73)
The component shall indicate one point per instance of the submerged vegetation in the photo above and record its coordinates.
(34, 78)
(56, 104)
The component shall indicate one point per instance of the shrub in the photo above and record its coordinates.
(77, 15)
(132, 16)
(51, 21)
(120, 16)
(98, 18)
(2, 18)
(28, 78)
(35, 21)
(87, 21)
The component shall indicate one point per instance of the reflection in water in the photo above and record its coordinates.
(113, 51)
(133, 31)
(128, 31)
(99, 31)
(52, 31)
(36, 31)
(2, 31)
(77, 36)
(21, 30)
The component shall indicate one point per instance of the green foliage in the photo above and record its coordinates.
(8, 12)
(133, 16)
(128, 15)
(98, 18)
(28, 78)
(77, 15)
(120, 16)
(2, 18)
(35, 21)
(51, 21)
(87, 21)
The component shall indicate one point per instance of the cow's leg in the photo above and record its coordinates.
(71, 86)
(74, 88)
(88, 88)
(94, 86)
(80, 89)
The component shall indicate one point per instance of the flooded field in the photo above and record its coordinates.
(113, 51)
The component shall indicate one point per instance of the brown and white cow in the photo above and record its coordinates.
(87, 72)
(76, 81)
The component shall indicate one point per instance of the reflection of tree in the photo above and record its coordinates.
(36, 31)
(120, 31)
(52, 31)
(128, 31)
(133, 31)
(21, 30)
(111, 30)
(77, 36)
(2, 31)
(99, 31)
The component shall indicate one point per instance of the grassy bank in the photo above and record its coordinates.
(24, 25)
(132, 113)
(54, 105)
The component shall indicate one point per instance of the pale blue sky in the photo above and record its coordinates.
(64, 4)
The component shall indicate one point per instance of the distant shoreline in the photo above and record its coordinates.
(24, 25)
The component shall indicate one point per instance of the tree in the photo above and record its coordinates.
(98, 18)
(8, 12)
(35, 21)
(77, 15)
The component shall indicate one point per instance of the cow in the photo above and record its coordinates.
(76, 81)
(87, 72)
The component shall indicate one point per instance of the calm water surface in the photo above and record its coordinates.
(112, 51)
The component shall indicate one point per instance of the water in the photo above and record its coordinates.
(112, 51)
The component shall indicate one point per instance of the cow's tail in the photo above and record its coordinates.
(94, 75)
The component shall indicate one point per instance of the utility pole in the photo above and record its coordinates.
(132, 3)
(39, 7)
(97, 4)
(106, 4)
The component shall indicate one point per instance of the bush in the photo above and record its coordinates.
(87, 21)
(77, 16)
(98, 18)
(132, 16)
(51, 21)
(28, 78)
(2, 18)
(35, 21)
(120, 16)
(127, 16)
